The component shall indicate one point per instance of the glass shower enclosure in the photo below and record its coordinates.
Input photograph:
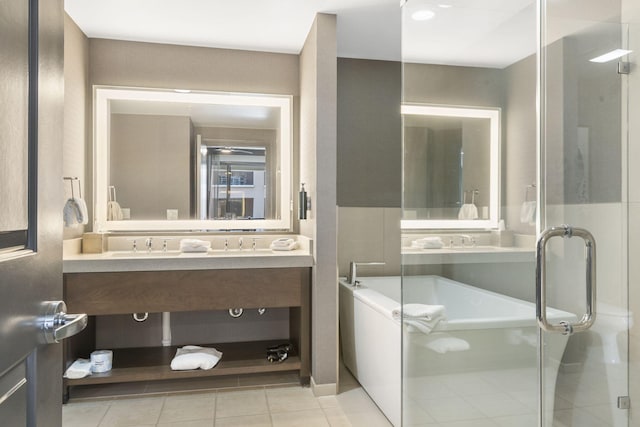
(519, 315)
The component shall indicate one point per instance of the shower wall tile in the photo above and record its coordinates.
(369, 234)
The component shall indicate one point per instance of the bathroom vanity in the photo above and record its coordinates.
(104, 284)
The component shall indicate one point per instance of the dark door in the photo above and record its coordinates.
(31, 198)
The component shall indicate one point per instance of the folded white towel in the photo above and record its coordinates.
(528, 213)
(193, 357)
(194, 245)
(422, 317)
(283, 244)
(428, 243)
(468, 211)
(78, 369)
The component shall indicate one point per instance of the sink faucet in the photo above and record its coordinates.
(148, 243)
(353, 275)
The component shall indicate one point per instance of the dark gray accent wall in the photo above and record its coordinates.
(369, 133)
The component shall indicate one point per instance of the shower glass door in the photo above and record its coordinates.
(472, 351)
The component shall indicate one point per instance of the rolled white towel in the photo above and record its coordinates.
(283, 244)
(428, 243)
(193, 357)
(78, 369)
(194, 245)
(423, 317)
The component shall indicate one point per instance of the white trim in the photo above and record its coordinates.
(102, 97)
(493, 114)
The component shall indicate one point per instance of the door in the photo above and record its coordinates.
(584, 184)
(31, 96)
(564, 193)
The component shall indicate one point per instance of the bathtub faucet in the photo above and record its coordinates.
(353, 275)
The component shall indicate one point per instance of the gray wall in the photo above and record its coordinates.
(369, 133)
(318, 170)
(77, 105)
(150, 164)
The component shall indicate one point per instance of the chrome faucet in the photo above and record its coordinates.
(148, 243)
(353, 274)
(226, 244)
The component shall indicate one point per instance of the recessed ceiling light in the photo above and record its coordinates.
(182, 90)
(445, 6)
(422, 15)
(610, 56)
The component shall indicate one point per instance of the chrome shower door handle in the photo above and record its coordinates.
(566, 328)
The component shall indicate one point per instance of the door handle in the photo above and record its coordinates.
(566, 328)
(57, 325)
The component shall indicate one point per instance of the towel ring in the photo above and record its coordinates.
(473, 192)
(71, 179)
(138, 318)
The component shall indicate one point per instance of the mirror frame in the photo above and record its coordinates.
(493, 114)
(102, 95)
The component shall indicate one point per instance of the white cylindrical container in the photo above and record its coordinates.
(101, 361)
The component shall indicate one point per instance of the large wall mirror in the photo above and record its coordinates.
(183, 160)
(451, 167)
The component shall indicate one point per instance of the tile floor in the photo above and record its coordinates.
(280, 406)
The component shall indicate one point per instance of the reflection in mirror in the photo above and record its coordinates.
(451, 158)
(177, 161)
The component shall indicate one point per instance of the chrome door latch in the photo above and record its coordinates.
(57, 325)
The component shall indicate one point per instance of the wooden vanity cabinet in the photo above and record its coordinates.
(107, 293)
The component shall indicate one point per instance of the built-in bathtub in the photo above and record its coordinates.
(499, 331)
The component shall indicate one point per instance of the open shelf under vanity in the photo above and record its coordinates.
(152, 363)
(108, 293)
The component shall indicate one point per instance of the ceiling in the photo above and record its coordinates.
(488, 33)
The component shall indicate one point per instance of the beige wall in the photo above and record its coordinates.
(318, 87)
(150, 164)
(77, 102)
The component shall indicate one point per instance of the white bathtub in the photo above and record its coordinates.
(500, 332)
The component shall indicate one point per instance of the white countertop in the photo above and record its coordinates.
(468, 255)
(157, 261)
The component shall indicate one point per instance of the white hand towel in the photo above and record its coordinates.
(422, 317)
(468, 211)
(528, 213)
(114, 211)
(78, 369)
(82, 207)
(193, 357)
(71, 213)
(194, 245)
(428, 243)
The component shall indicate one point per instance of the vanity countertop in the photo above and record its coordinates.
(127, 261)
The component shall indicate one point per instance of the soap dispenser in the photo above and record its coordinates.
(302, 203)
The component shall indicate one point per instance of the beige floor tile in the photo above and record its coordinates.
(328, 401)
(133, 412)
(309, 418)
(336, 417)
(356, 400)
(83, 414)
(239, 403)
(194, 423)
(450, 409)
(359, 419)
(245, 421)
(188, 407)
(291, 399)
